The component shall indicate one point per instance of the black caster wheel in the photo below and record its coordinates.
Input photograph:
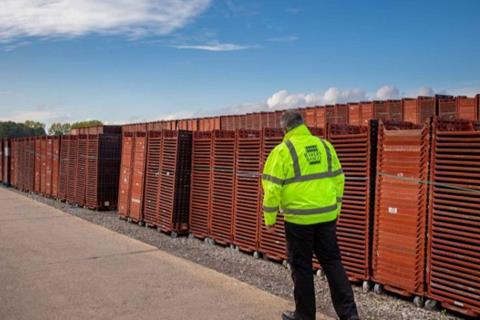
(419, 301)
(141, 223)
(378, 288)
(365, 286)
(431, 305)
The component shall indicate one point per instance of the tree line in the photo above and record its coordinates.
(10, 129)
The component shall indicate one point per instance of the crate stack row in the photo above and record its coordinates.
(167, 180)
(416, 110)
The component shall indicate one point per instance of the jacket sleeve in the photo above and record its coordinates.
(338, 179)
(272, 182)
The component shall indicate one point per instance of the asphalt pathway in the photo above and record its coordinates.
(57, 266)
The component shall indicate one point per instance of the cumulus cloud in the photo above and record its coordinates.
(70, 18)
(284, 100)
(41, 114)
(214, 46)
(426, 91)
(387, 92)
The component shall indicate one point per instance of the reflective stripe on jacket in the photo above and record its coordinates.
(303, 179)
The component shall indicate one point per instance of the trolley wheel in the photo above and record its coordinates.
(286, 264)
(366, 286)
(418, 301)
(431, 305)
(129, 220)
(191, 236)
(378, 288)
(256, 255)
(174, 235)
(141, 223)
(319, 273)
(232, 246)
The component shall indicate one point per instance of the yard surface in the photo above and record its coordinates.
(54, 265)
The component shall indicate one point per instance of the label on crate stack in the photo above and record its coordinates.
(392, 210)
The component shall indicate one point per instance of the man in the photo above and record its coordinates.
(303, 180)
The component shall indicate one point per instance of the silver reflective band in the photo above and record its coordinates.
(270, 209)
(293, 154)
(315, 176)
(339, 199)
(308, 177)
(329, 155)
(311, 211)
(273, 179)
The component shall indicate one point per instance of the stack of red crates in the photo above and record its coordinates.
(271, 244)
(174, 193)
(72, 169)
(247, 189)
(126, 168)
(453, 275)
(400, 213)
(81, 169)
(223, 183)
(200, 190)
(138, 177)
(43, 165)
(152, 178)
(38, 164)
(356, 149)
(63, 168)
(103, 168)
(2, 160)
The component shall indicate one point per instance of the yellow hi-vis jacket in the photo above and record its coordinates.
(302, 179)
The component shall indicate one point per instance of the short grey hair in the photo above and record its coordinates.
(291, 119)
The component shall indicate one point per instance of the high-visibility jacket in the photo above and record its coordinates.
(303, 180)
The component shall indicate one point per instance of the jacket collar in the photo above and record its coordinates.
(301, 130)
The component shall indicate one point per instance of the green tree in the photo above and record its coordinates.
(10, 129)
(59, 129)
(86, 124)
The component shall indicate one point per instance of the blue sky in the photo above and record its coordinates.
(123, 61)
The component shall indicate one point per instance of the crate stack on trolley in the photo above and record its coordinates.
(453, 258)
(356, 149)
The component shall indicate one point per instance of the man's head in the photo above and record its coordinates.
(290, 120)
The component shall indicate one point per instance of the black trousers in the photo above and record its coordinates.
(302, 241)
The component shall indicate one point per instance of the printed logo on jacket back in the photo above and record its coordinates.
(312, 155)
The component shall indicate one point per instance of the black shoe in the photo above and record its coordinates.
(289, 315)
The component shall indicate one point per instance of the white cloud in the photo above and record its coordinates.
(284, 100)
(40, 114)
(214, 46)
(426, 91)
(70, 18)
(387, 92)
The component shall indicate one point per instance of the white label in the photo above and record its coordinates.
(392, 210)
(135, 200)
(6, 152)
(107, 203)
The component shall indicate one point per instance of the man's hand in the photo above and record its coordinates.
(270, 228)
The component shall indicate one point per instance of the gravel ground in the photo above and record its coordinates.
(269, 276)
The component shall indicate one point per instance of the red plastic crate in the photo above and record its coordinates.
(126, 168)
(152, 178)
(136, 200)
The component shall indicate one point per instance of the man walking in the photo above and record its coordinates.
(303, 180)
